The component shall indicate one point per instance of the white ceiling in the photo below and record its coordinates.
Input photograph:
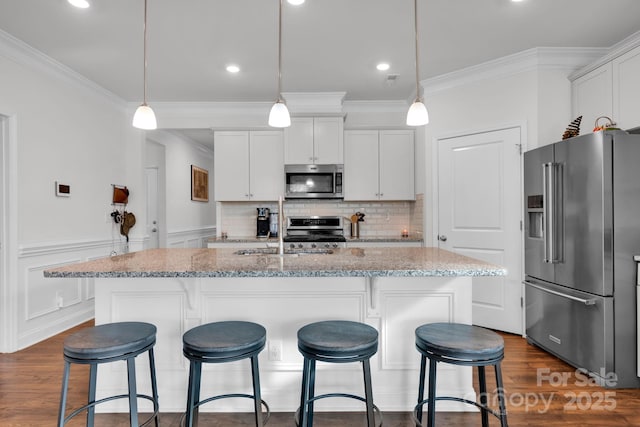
(328, 45)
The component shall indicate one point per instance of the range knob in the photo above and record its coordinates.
(313, 245)
(335, 245)
(327, 245)
(300, 245)
(292, 246)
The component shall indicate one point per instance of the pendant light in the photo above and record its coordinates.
(145, 118)
(279, 115)
(417, 114)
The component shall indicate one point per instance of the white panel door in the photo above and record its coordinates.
(266, 164)
(626, 89)
(298, 141)
(479, 195)
(396, 165)
(152, 226)
(593, 96)
(231, 166)
(361, 165)
(328, 142)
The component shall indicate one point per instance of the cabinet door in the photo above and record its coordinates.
(626, 89)
(361, 165)
(592, 96)
(397, 165)
(298, 141)
(266, 161)
(328, 140)
(231, 166)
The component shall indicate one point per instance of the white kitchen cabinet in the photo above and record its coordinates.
(248, 165)
(626, 89)
(379, 165)
(593, 97)
(314, 140)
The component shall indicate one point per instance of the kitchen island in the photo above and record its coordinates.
(392, 289)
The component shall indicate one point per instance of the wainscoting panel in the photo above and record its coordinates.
(48, 306)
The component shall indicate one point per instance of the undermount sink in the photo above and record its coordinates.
(274, 251)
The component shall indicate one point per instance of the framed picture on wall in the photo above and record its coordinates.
(199, 184)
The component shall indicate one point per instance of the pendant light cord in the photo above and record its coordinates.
(144, 72)
(415, 26)
(279, 52)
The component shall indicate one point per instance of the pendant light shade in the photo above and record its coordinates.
(279, 115)
(417, 114)
(144, 117)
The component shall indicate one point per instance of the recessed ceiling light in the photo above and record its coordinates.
(83, 4)
(383, 66)
(517, 1)
(233, 68)
(295, 2)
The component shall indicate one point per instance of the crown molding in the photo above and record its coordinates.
(314, 102)
(618, 49)
(205, 108)
(21, 53)
(327, 106)
(375, 106)
(535, 59)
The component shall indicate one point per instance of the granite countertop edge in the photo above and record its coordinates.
(227, 262)
(363, 239)
(474, 272)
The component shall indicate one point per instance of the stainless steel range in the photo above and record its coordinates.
(314, 232)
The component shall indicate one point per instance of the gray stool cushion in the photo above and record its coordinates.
(224, 339)
(338, 338)
(458, 341)
(109, 340)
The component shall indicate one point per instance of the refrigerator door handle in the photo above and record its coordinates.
(547, 218)
(585, 301)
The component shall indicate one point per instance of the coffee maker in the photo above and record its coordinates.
(262, 222)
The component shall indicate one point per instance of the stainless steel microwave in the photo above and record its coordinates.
(313, 181)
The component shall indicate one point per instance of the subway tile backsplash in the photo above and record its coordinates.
(381, 218)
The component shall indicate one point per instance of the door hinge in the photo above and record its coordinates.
(519, 146)
(520, 225)
(521, 302)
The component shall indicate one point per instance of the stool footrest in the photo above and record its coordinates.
(414, 414)
(350, 396)
(233, 395)
(110, 398)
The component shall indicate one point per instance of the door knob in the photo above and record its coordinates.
(442, 238)
(153, 230)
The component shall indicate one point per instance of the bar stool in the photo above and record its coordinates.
(335, 341)
(459, 344)
(222, 342)
(108, 343)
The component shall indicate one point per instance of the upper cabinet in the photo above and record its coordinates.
(626, 89)
(314, 140)
(248, 165)
(592, 97)
(612, 89)
(379, 165)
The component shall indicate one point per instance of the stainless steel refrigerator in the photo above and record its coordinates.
(582, 230)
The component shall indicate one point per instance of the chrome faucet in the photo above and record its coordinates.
(280, 226)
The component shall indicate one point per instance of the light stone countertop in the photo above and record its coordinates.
(356, 262)
(413, 237)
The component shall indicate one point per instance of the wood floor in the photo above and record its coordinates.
(536, 394)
